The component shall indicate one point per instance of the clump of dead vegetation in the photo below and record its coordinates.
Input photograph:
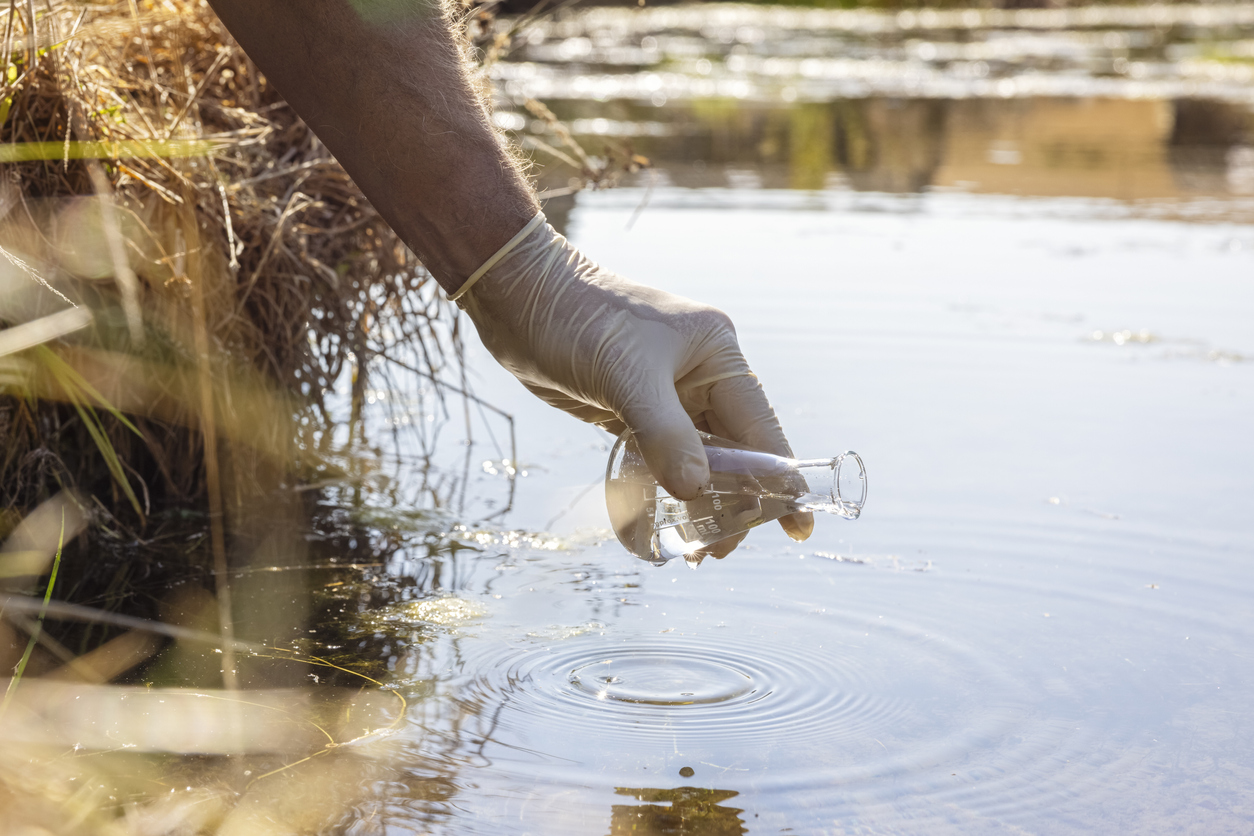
(227, 273)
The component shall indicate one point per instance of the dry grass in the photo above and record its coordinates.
(153, 177)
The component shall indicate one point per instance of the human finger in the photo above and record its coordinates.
(740, 406)
(573, 406)
(668, 440)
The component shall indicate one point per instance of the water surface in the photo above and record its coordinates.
(1042, 619)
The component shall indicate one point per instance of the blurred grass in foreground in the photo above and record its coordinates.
(194, 297)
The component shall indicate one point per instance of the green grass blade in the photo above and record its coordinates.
(39, 622)
(63, 372)
(75, 387)
(98, 435)
(20, 152)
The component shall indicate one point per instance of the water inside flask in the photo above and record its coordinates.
(747, 488)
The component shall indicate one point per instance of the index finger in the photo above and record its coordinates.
(741, 408)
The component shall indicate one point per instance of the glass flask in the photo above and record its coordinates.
(747, 488)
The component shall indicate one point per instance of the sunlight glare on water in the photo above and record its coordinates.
(762, 53)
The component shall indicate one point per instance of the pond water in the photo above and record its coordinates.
(1007, 261)
(1042, 621)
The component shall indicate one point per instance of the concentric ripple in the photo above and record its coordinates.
(992, 701)
(706, 690)
(662, 679)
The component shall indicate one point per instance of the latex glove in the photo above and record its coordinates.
(623, 355)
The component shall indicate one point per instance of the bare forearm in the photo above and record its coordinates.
(388, 94)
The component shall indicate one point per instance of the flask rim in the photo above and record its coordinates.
(847, 506)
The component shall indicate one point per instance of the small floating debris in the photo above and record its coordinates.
(558, 632)
(1188, 349)
(895, 562)
(1223, 358)
(448, 612)
(840, 558)
(515, 539)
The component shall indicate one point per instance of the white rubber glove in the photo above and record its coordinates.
(622, 355)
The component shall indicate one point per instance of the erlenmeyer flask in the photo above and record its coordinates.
(747, 488)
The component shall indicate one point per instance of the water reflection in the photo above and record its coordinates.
(1120, 149)
(1034, 675)
(690, 812)
(853, 712)
(1123, 103)
(883, 145)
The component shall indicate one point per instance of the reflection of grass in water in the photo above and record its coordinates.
(811, 139)
(688, 810)
(231, 757)
(302, 743)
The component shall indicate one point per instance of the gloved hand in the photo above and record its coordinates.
(623, 355)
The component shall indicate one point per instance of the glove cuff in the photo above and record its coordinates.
(497, 256)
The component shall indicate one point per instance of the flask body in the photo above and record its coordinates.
(747, 488)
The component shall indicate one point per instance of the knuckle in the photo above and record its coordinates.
(716, 320)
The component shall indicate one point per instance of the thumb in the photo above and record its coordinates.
(669, 442)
